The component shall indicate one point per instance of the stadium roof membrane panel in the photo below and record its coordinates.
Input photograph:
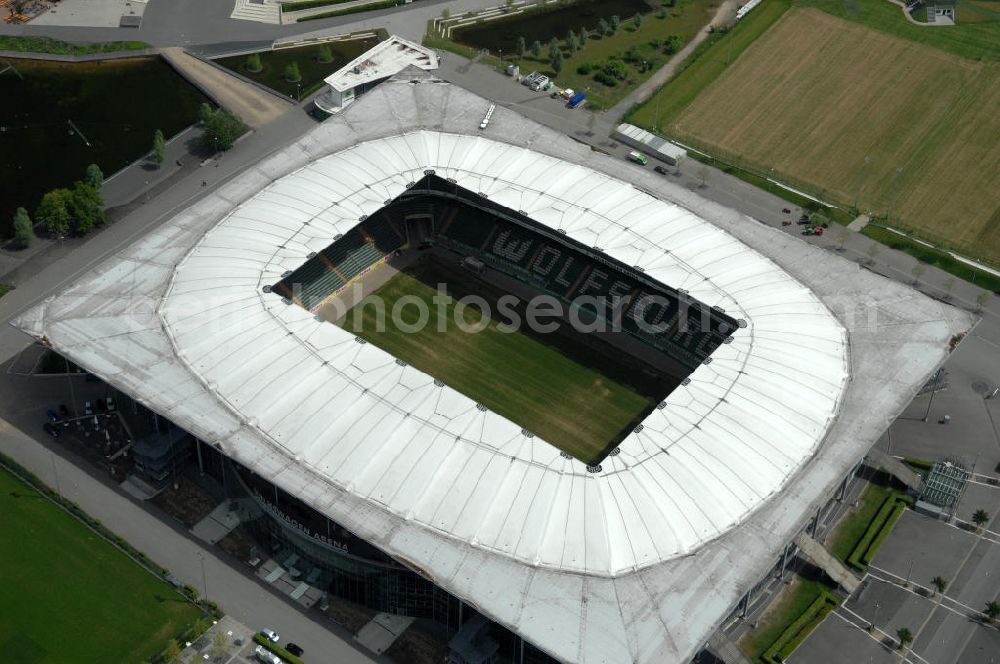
(638, 562)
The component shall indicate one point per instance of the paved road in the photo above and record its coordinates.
(194, 22)
(255, 106)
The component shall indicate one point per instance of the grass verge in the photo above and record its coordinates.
(939, 259)
(58, 47)
(795, 633)
(74, 584)
(5, 288)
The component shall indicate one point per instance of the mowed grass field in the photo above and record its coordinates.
(67, 595)
(517, 375)
(815, 96)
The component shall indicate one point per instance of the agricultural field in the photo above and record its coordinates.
(860, 117)
(539, 382)
(69, 596)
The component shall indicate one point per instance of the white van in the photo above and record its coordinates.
(266, 656)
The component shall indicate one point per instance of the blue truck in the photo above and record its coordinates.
(576, 99)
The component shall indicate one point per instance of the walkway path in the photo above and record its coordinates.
(255, 106)
(722, 15)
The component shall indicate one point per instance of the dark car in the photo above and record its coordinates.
(662, 170)
(294, 649)
(51, 430)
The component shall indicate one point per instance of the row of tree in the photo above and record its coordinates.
(63, 210)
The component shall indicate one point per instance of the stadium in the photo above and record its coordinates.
(608, 497)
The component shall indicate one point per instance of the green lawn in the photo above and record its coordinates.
(537, 382)
(67, 595)
(846, 535)
(5, 288)
(793, 601)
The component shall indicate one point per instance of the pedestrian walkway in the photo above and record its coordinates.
(262, 11)
(382, 631)
(255, 106)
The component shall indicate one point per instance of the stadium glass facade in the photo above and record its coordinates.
(345, 566)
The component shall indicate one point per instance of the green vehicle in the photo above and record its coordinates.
(638, 157)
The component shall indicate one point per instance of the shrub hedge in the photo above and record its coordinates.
(353, 10)
(262, 640)
(794, 634)
(308, 4)
(877, 531)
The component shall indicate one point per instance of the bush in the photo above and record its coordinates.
(86, 207)
(616, 68)
(585, 69)
(673, 43)
(53, 211)
(292, 73)
(253, 63)
(325, 54)
(308, 4)
(605, 78)
(94, 176)
(24, 234)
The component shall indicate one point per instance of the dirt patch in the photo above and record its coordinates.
(188, 503)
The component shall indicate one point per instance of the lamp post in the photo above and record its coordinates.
(204, 576)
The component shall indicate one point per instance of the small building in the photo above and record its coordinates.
(651, 144)
(941, 12)
(364, 72)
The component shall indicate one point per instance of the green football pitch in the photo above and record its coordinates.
(67, 595)
(572, 397)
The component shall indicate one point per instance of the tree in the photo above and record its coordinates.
(842, 238)
(253, 63)
(159, 150)
(572, 43)
(905, 637)
(603, 29)
(982, 299)
(703, 174)
(557, 62)
(584, 36)
(521, 47)
(86, 207)
(292, 73)
(446, 13)
(615, 23)
(616, 68)
(553, 48)
(94, 177)
(673, 43)
(219, 645)
(325, 54)
(873, 252)
(205, 112)
(939, 584)
(536, 49)
(980, 517)
(172, 652)
(637, 20)
(222, 129)
(949, 283)
(53, 211)
(24, 234)
(992, 610)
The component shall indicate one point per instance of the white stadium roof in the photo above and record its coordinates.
(639, 562)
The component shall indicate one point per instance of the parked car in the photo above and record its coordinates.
(295, 649)
(51, 430)
(662, 170)
(111, 404)
(51, 414)
(786, 210)
(638, 158)
(270, 635)
(266, 656)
